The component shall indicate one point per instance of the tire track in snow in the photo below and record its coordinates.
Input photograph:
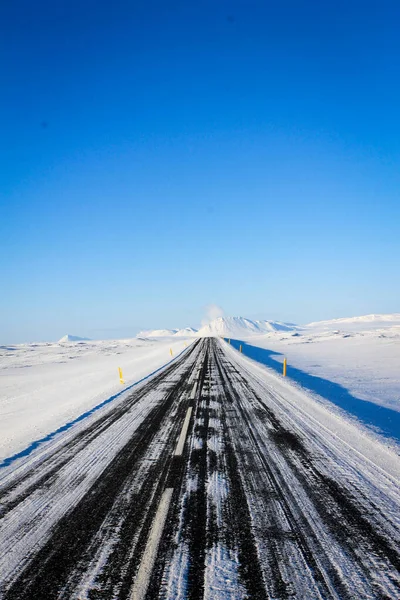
(213, 551)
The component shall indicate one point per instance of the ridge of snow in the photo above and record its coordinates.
(73, 338)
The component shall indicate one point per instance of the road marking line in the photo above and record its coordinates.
(182, 437)
(142, 579)
(141, 583)
(194, 390)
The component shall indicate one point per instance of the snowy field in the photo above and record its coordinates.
(44, 386)
(364, 357)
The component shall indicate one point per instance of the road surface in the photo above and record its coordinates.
(204, 482)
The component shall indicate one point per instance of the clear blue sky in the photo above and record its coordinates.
(160, 156)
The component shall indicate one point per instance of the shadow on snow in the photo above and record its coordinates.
(386, 420)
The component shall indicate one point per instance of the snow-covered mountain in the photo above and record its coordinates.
(152, 333)
(358, 323)
(157, 333)
(186, 332)
(73, 338)
(238, 327)
(231, 327)
(241, 327)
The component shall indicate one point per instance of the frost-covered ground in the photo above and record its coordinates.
(44, 386)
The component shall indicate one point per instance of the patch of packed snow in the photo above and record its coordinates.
(221, 579)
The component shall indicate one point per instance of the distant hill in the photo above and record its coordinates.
(186, 332)
(358, 323)
(73, 338)
(157, 333)
(241, 327)
(152, 333)
(238, 327)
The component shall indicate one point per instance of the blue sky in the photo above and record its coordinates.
(161, 156)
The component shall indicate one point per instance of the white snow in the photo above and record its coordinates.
(44, 386)
(221, 581)
(365, 361)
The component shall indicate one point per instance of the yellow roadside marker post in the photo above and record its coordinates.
(170, 351)
(240, 349)
(121, 380)
(284, 367)
(229, 341)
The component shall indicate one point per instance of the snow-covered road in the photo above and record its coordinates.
(213, 479)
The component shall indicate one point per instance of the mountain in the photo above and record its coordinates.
(269, 326)
(157, 333)
(358, 323)
(73, 338)
(239, 327)
(186, 332)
